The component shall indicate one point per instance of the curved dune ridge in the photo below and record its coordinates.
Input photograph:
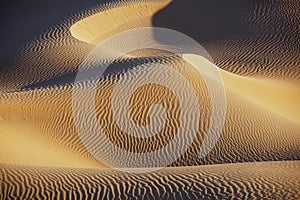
(267, 180)
(250, 38)
(260, 71)
(57, 53)
(251, 132)
(92, 29)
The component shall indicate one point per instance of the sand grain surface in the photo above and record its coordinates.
(257, 153)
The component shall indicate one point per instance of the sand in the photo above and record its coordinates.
(267, 180)
(40, 149)
(92, 29)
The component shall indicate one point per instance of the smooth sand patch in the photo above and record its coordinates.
(97, 27)
(18, 145)
(278, 96)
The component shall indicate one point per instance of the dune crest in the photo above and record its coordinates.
(97, 27)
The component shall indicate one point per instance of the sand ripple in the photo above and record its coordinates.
(251, 132)
(262, 120)
(267, 180)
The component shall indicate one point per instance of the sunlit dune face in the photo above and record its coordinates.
(97, 27)
(143, 99)
(20, 145)
(280, 97)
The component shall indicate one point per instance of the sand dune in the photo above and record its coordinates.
(94, 29)
(280, 97)
(252, 132)
(267, 180)
(57, 53)
(259, 64)
(251, 38)
(19, 145)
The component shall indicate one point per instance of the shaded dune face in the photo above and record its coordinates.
(57, 53)
(21, 24)
(252, 38)
(204, 20)
(272, 180)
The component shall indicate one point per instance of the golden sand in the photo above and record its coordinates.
(37, 127)
(102, 25)
(267, 180)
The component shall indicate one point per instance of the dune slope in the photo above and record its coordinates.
(269, 180)
(42, 155)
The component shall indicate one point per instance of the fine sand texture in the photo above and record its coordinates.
(266, 180)
(254, 44)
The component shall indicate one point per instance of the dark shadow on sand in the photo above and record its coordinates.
(93, 74)
(23, 21)
(205, 20)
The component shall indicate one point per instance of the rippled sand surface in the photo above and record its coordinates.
(41, 153)
(267, 180)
